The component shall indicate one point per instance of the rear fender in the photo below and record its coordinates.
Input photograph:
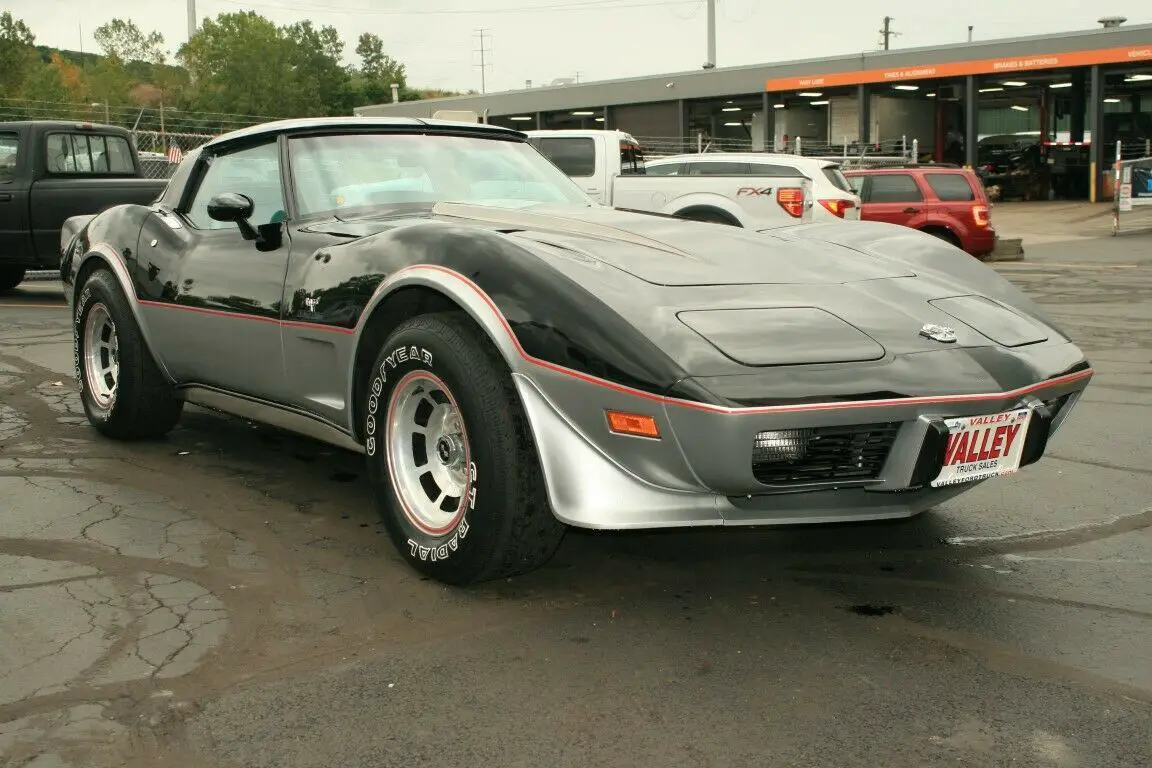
(103, 255)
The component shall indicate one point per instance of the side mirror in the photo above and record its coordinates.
(231, 206)
(235, 207)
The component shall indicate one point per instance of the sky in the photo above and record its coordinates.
(439, 41)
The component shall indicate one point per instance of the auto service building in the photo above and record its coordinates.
(1028, 112)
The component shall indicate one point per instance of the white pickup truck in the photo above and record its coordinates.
(609, 165)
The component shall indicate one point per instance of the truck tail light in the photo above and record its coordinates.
(838, 207)
(791, 199)
(980, 215)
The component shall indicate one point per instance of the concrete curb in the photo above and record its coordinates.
(1007, 249)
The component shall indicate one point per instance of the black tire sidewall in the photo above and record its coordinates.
(101, 288)
(461, 553)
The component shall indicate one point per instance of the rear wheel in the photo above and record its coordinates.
(451, 458)
(10, 277)
(944, 235)
(124, 394)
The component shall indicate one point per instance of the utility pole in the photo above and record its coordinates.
(886, 32)
(191, 18)
(483, 63)
(710, 63)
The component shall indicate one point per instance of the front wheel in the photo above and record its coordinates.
(450, 455)
(10, 277)
(124, 394)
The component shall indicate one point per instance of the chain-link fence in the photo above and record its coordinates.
(893, 152)
(162, 134)
(160, 153)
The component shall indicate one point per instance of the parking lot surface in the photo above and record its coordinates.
(225, 597)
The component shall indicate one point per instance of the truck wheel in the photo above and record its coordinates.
(10, 277)
(450, 457)
(124, 394)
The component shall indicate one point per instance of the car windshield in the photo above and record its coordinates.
(338, 174)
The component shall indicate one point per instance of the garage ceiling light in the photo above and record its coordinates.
(990, 90)
(906, 87)
(812, 94)
(1060, 85)
(730, 109)
(1137, 78)
(583, 113)
(1014, 83)
(734, 124)
(1111, 101)
(520, 117)
(818, 103)
(1018, 108)
(599, 119)
(930, 95)
(777, 106)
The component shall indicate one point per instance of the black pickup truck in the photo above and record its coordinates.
(51, 170)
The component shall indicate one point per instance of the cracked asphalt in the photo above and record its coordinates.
(225, 597)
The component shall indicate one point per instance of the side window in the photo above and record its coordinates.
(717, 168)
(894, 188)
(950, 187)
(768, 169)
(89, 153)
(631, 159)
(9, 154)
(857, 184)
(255, 172)
(666, 169)
(575, 156)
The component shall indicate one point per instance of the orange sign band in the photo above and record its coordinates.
(963, 68)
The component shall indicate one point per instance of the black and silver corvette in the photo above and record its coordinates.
(513, 358)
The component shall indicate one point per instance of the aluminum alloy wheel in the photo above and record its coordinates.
(428, 452)
(101, 352)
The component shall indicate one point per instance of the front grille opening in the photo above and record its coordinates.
(822, 454)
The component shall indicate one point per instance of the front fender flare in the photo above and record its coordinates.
(465, 293)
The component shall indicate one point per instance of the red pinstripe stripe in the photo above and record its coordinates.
(831, 406)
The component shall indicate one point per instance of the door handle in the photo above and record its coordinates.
(911, 210)
(5, 197)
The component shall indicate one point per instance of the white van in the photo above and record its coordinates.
(833, 193)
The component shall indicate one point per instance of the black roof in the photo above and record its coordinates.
(68, 124)
(355, 124)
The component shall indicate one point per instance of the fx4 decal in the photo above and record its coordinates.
(753, 191)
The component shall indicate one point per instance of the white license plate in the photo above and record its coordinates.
(980, 447)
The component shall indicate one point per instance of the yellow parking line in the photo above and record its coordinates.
(6, 305)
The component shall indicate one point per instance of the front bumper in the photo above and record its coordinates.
(700, 471)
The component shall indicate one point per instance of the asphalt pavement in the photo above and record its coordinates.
(225, 597)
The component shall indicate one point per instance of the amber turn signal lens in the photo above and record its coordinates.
(632, 424)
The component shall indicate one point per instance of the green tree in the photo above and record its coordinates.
(378, 71)
(18, 58)
(240, 63)
(321, 84)
(124, 41)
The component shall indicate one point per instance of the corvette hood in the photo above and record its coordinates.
(661, 250)
(669, 251)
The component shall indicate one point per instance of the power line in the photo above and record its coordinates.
(586, 5)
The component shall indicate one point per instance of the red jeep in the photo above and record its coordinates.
(945, 201)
